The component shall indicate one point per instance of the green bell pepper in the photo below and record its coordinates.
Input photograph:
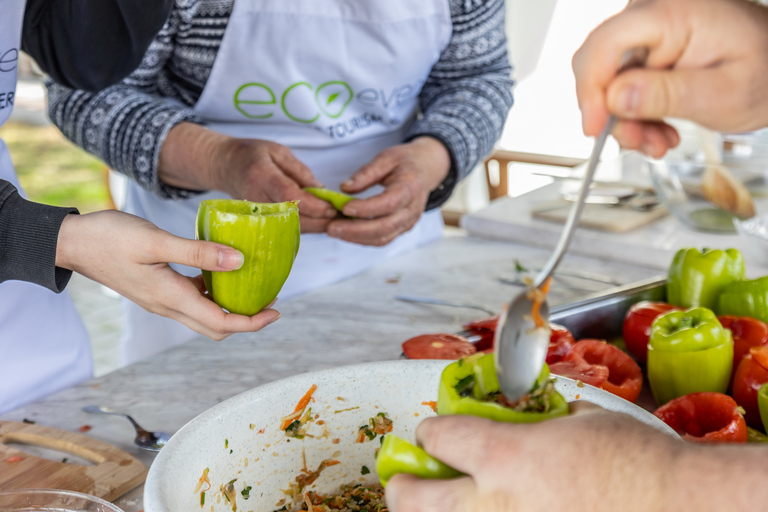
(745, 298)
(688, 351)
(469, 385)
(697, 278)
(337, 199)
(268, 236)
(397, 455)
(762, 404)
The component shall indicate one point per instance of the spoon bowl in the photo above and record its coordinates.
(145, 439)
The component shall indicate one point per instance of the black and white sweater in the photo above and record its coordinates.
(464, 101)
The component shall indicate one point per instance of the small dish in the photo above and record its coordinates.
(52, 500)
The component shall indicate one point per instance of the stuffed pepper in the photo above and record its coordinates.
(469, 386)
(745, 298)
(705, 418)
(697, 278)
(751, 374)
(688, 351)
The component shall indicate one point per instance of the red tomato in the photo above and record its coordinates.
(747, 333)
(705, 417)
(637, 326)
(578, 369)
(560, 343)
(438, 346)
(750, 375)
(624, 376)
(489, 323)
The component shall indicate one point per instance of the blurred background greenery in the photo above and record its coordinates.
(54, 171)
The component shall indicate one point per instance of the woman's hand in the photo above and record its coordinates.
(408, 172)
(195, 157)
(707, 62)
(131, 255)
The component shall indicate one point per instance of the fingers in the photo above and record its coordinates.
(311, 225)
(371, 173)
(598, 61)
(375, 232)
(407, 493)
(294, 168)
(653, 138)
(283, 188)
(397, 196)
(465, 443)
(202, 315)
(197, 253)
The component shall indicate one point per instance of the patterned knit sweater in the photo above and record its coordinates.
(463, 103)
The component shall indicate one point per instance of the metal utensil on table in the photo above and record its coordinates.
(439, 302)
(145, 439)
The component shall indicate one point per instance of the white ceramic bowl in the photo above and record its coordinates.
(227, 439)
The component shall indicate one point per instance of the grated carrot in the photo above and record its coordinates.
(303, 403)
(537, 301)
(431, 404)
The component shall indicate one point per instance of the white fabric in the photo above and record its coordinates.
(337, 81)
(44, 346)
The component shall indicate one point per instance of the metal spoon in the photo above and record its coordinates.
(520, 346)
(145, 439)
(440, 302)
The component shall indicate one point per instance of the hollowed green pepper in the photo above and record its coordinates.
(745, 298)
(268, 236)
(467, 387)
(397, 455)
(688, 351)
(697, 278)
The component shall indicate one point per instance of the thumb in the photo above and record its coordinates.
(203, 255)
(656, 94)
(370, 174)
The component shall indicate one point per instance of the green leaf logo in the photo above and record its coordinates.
(336, 92)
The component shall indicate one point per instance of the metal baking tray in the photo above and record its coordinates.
(602, 315)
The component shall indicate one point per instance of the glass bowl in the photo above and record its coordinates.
(755, 232)
(52, 500)
(678, 184)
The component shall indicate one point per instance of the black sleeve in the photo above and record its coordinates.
(91, 44)
(29, 233)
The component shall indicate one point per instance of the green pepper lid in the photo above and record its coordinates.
(337, 199)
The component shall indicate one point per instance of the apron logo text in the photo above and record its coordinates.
(304, 103)
(9, 60)
(6, 99)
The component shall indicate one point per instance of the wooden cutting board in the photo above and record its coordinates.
(113, 473)
(615, 219)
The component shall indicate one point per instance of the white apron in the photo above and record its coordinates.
(337, 81)
(44, 346)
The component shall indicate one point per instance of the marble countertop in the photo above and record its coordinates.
(354, 321)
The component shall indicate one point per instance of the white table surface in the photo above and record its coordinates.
(357, 320)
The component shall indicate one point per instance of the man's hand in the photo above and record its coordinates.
(707, 62)
(257, 170)
(408, 172)
(131, 255)
(591, 460)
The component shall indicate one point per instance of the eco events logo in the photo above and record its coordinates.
(304, 103)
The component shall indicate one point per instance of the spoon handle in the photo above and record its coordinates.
(97, 409)
(577, 208)
(633, 59)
